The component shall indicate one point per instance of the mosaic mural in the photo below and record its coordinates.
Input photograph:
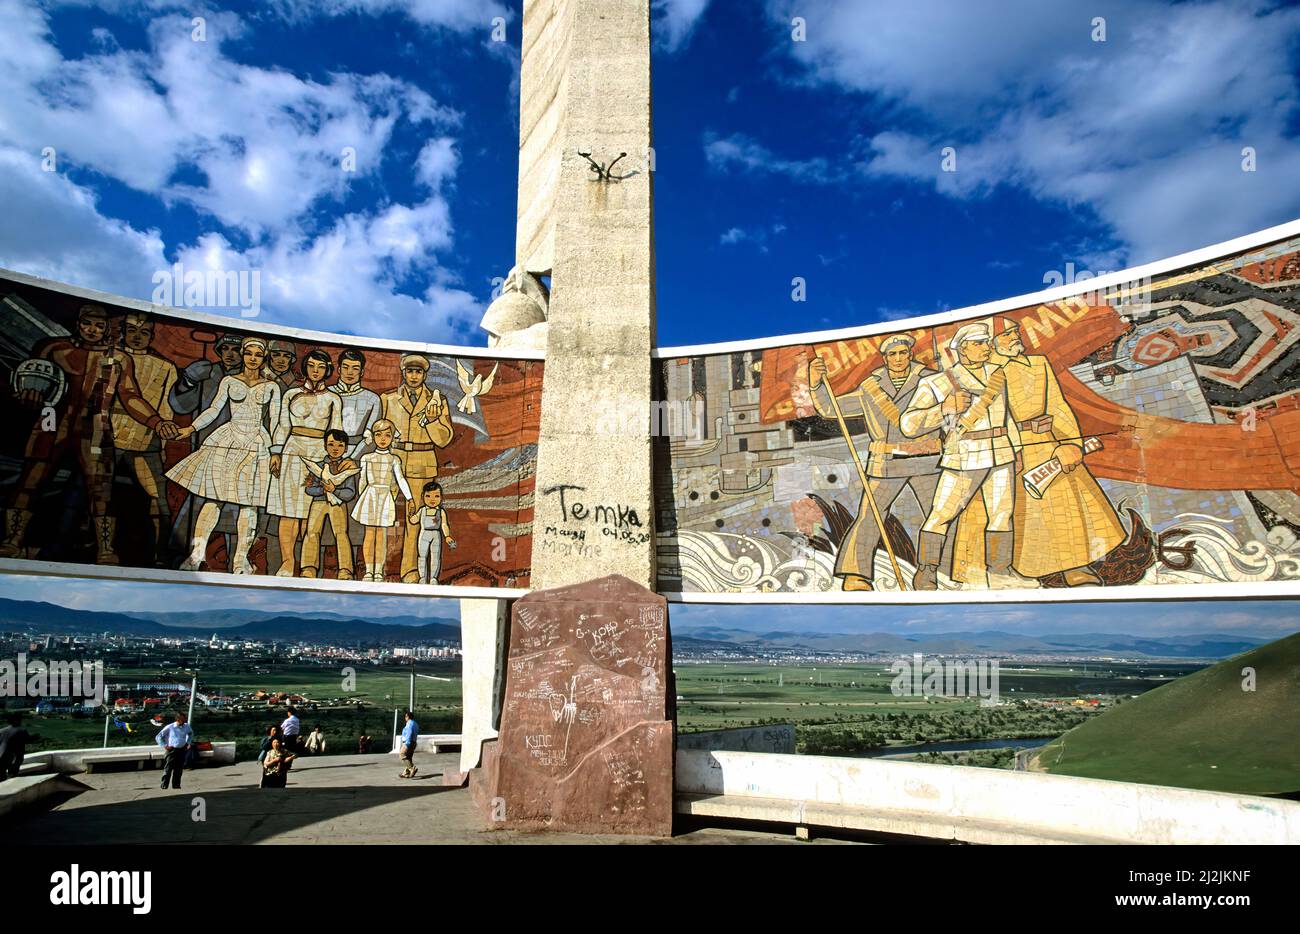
(155, 441)
(1149, 434)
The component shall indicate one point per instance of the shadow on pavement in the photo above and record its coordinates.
(231, 815)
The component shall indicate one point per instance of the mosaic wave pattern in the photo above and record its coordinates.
(1148, 434)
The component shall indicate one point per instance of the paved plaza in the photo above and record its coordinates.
(329, 800)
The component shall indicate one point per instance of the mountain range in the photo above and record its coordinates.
(393, 630)
(1212, 645)
(254, 626)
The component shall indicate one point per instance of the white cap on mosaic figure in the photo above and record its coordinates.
(979, 331)
(906, 340)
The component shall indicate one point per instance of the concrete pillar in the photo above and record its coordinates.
(585, 87)
(482, 641)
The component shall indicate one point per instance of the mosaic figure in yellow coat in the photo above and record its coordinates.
(422, 421)
(1073, 524)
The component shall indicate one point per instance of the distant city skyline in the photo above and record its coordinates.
(1266, 619)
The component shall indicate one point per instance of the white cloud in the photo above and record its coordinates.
(758, 236)
(457, 15)
(452, 15)
(52, 228)
(1144, 130)
(437, 162)
(740, 152)
(675, 21)
(346, 278)
(257, 150)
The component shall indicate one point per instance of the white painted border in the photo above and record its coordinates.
(1161, 267)
(256, 326)
(1145, 593)
(265, 581)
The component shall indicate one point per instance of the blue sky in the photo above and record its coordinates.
(775, 158)
(779, 152)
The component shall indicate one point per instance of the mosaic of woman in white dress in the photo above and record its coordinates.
(233, 465)
(306, 413)
(380, 481)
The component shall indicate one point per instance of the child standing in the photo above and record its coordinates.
(432, 521)
(380, 481)
(332, 485)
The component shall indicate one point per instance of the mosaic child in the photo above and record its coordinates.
(381, 480)
(332, 485)
(431, 519)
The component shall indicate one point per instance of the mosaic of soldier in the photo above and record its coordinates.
(1073, 524)
(97, 374)
(422, 419)
(281, 355)
(895, 463)
(980, 444)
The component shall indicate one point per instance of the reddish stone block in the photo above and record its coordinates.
(586, 740)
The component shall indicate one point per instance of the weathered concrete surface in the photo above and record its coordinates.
(27, 791)
(331, 799)
(773, 738)
(971, 805)
(586, 738)
(543, 89)
(585, 87)
(482, 634)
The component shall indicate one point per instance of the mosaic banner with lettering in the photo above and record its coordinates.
(1145, 434)
(150, 440)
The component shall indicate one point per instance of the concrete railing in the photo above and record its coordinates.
(970, 804)
(73, 761)
(432, 743)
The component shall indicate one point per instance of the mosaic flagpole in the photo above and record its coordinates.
(866, 487)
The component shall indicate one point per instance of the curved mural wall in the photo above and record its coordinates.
(1144, 433)
(137, 437)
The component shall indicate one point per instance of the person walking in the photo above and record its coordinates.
(410, 733)
(316, 742)
(175, 739)
(363, 744)
(291, 729)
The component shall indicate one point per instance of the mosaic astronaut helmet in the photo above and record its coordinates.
(42, 376)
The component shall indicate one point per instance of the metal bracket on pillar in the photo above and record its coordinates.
(603, 172)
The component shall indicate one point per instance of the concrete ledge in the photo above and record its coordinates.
(25, 791)
(845, 817)
(431, 743)
(971, 805)
(76, 761)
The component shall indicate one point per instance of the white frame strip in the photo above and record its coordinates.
(255, 325)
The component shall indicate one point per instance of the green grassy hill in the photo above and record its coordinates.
(1201, 731)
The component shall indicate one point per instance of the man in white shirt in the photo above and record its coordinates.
(292, 730)
(175, 739)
